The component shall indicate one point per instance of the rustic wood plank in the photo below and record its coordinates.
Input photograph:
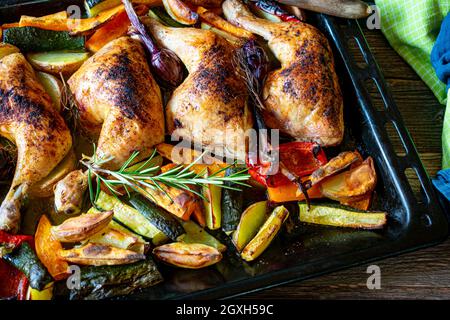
(424, 274)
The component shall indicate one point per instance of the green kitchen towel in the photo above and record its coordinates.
(411, 27)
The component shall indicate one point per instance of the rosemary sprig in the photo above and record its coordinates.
(145, 177)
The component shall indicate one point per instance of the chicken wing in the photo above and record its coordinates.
(303, 97)
(28, 119)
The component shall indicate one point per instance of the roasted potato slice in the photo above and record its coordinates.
(187, 255)
(251, 221)
(82, 227)
(7, 49)
(93, 254)
(336, 164)
(180, 12)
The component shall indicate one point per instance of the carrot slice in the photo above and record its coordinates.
(290, 192)
(112, 30)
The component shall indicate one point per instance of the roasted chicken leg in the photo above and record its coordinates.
(210, 106)
(303, 97)
(28, 119)
(119, 103)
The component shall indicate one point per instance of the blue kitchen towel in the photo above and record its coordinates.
(440, 55)
(442, 183)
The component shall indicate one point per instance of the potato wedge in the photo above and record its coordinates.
(7, 49)
(93, 254)
(351, 184)
(341, 216)
(266, 234)
(82, 227)
(251, 221)
(53, 86)
(69, 192)
(55, 62)
(336, 164)
(187, 255)
(212, 204)
(196, 234)
(44, 188)
(180, 12)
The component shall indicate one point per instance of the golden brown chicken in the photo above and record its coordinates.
(210, 106)
(119, 101)
(28, 119)
(303, 97)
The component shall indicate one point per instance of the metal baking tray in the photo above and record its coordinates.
(311, 251)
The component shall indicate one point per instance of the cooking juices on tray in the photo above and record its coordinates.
(149, 202)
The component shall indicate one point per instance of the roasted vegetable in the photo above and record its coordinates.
(265, 235)
(47, 250)
(53, 86)
(30, 39)
(55, 62)
(69, 192)
(7, 49)
(45, 294)
(341, 216)
(82, 227)
(271, 10)
(131, 218)
(161, 15)
(360, 203)
(212, 204)
(100, 255)
(187, 255)
(109, 281)
(196, 234)
(224, 34)
(84, 26)
(217, 21)
(94, 7)
(159, 217)
(232, 203)
(351, 184)
(44, 188)
(117, 27)
(55, 22)
(180, 12)
(24, 259)
(251, 220)
(291, 192)
(334, 165)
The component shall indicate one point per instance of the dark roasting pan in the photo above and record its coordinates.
(312, 251)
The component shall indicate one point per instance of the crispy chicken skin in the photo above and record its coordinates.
(303, 97)
(119, 101)
(28, 119)
(210, 106)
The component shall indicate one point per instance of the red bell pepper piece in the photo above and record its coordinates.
(300, 158)
(13, 283)
(273, 8)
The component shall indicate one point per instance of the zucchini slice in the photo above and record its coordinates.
(65, 62)
(162, 16)
(31, 39)
(159, 217)
(232, 203)
(341, 216)
(93, 7)
(131, 218)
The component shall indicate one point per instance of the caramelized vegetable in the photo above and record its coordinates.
(217, 21)
(251, 221)
(47, 250)
(7, 49)
(117, 27)
(196, 234)
(180, 12)
(100, 255)
(83, 26)
(82, 227)
(341, 216)
(236, 41)
(266, 234)
(188, 255)
(55, 22)
(334, 165)
(351, 184)
(212, 204)
(56, 62)
(69, 192)
(291, 192)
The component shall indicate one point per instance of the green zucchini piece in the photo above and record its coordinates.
(31, 39)
(266, 234)
(110, 281)
(162, 16)
(196, 234)
(131, 218)
(341, 216)
(94, 7)
(24, 259)
(232, 202)
(159, 217)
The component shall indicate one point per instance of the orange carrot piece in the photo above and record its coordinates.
(112, 30)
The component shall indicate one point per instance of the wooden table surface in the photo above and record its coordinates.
(424, 274)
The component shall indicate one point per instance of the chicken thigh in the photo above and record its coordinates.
(303, 97)
(210, 106)
(28, 119)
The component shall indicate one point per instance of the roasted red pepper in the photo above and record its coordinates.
(273, 8)
(13, 283)
(300, 158)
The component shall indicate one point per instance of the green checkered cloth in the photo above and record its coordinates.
(411, 27)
